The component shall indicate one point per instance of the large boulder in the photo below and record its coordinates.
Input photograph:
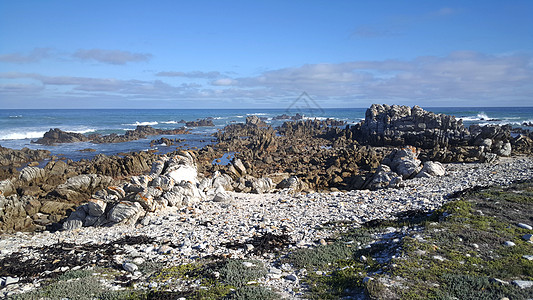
(384, 177)
(431, 169)
(81, 187)
(404, 162)
(125, 212)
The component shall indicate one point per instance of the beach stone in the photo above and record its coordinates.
(498, 281)
(130, 267)
(5, 281)
(125, 212)
(525, 226)
(523, 284)
(509, 244)
(292, 277)
(528, 237)
(96, 207)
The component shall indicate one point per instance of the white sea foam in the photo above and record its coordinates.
(479, 117)
(143, 123)
(35, 133)
(257, 114)
(21, 135)
(169, 122)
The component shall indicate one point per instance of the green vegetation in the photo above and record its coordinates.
(456, 253)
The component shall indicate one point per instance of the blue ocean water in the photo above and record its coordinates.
(19, 127)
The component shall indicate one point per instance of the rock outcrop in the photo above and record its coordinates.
(200, 123)
(57, 136)
(16, 158)
(173, 181)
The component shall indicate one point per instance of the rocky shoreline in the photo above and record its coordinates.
(205, 229)
(285, 188)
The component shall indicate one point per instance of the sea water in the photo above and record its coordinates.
(18, 128)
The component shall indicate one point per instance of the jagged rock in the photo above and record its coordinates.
(32, 206)
(222, 180)
(431, 169)
(383, 178)
(292, 183)
(57, 167)
(125, 212)
(239, 167)
(12, 214)
(157, 167)
(222, 197)
(82, 186)
(164, 182)
(200, 123)
(254, 121)
(142, 180)
(404, 162)
(6, 187)
(11, 157)
(57, 136)
(262, 185)
(29, 174)
(55, 207)
(96, 207)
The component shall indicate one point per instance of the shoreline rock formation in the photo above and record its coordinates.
(57, 136)
(307, 155)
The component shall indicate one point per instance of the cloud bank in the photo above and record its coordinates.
(35, 55)
(460, 78)
(114, 57)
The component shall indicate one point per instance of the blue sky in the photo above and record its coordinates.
(264, 54)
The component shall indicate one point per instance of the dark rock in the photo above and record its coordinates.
(10, 157)
(200, 123)
(57, 136)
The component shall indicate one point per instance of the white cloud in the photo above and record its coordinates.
(36, 55)
(224, 82)
(193, 74)
(114, 57)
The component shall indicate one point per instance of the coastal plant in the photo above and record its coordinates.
(252, 292)
(235, 273)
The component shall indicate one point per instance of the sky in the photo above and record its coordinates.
(264, 54)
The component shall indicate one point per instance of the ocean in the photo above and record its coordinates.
(18, 128)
